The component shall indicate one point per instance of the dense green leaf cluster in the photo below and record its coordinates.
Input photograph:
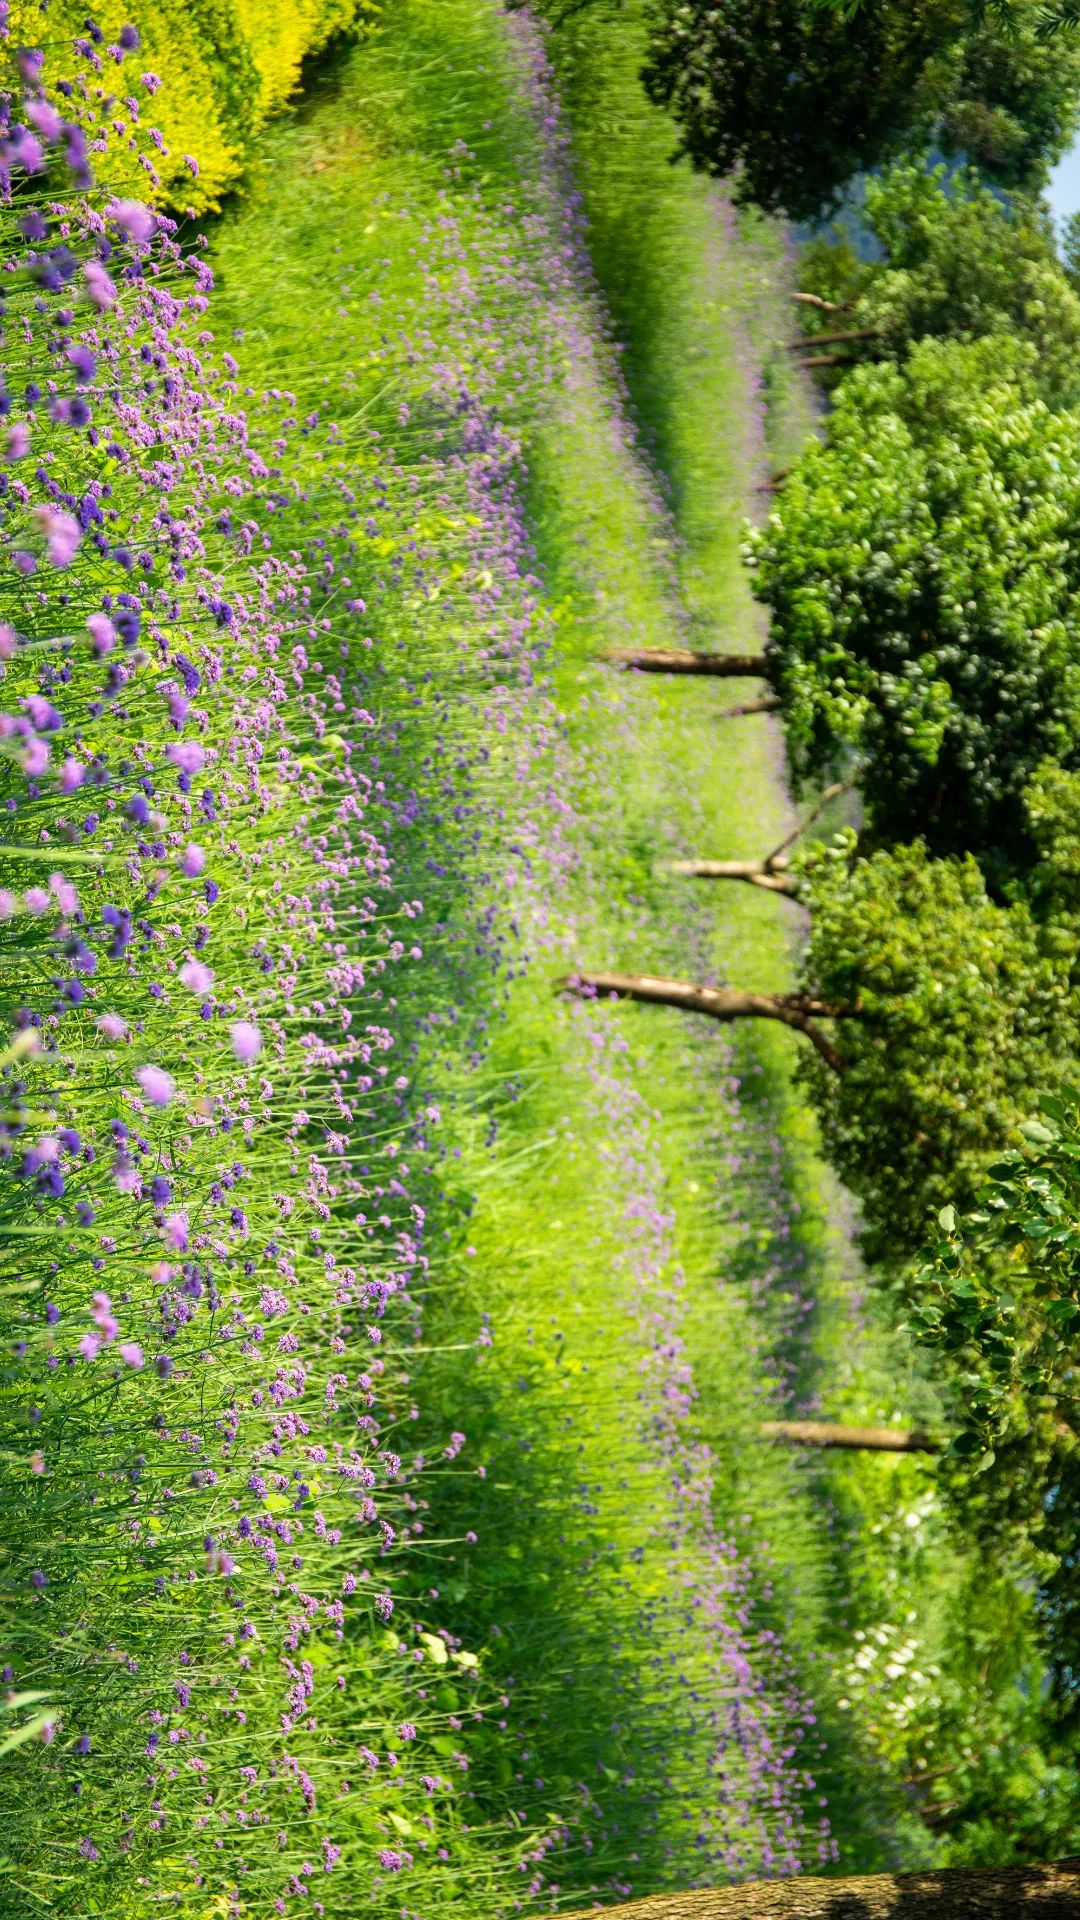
(954, 261)
(999, 1294)
(922, 571)
(948, 1003)
(793, 98)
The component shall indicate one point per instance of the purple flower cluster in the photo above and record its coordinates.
(268, 865)
(212, 1177)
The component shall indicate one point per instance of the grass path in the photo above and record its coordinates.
(634, 1204)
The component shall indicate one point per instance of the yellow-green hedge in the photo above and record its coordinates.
(225, 66)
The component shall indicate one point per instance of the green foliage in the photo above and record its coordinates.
(921, 572)
(959, 1704)
(794, 98)
(993, 1777)
(952, 1008)
(956, 262)
(786, 96)
(225, 67)
(1001, 1291)
(1011, 101)
(999, 1294)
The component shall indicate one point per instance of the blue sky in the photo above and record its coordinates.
(1063, 192)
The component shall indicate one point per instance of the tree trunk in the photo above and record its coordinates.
(796, 1010)
(726, 666)
(835, 339)
(951, 1893)
(770, 874)
(770, 703)
(821, 1433)
(826, 360)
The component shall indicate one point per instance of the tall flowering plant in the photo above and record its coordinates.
(211, 1242)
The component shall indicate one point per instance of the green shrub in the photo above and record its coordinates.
(225, 67)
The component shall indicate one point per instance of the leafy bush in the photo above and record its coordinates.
(920, 572)
(955, 262)
(949, 1005)
(999, 1296)
(222, 67)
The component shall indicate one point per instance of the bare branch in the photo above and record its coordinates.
(769, 703)
(774, 482)
(815, 300)
(834, 339)
(772, 873)
(830, 793)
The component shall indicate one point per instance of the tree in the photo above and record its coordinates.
(931, 1011)
(785, 97)
(954, 261)
(793, 98)
(922, 569)
(999, 1295)
(1011, 101)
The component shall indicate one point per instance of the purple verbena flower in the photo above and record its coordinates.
(158, 1086)
(135, 221)
(246, 1040)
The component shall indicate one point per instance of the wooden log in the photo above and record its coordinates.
(823, 1433)
(949, 1893)
(724, 666)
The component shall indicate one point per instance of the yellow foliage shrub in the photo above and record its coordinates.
(224, 65)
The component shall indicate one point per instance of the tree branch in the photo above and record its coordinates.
(822, 1433)
(825, 306)
(796, 1010)
(772, 872)
(815, 300)
(834, 339)
(830, 793)
(725, 666)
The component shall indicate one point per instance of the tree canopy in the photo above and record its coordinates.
(792, 98)
(999, 1295)
(951, 1004)
(955, 261)
(922, 569)
(931, 1010)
